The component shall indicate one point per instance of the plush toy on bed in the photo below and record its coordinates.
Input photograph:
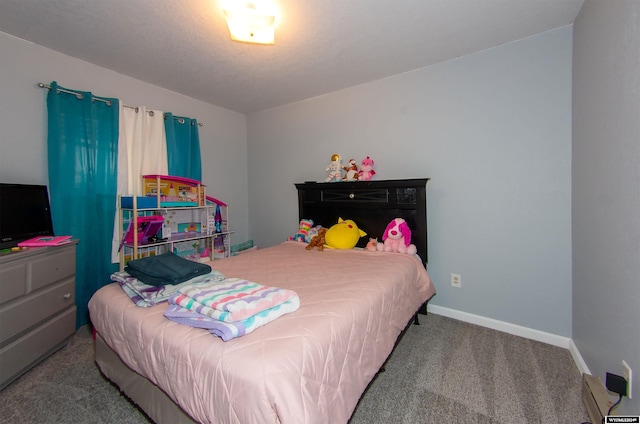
(372, 245)
(313, 231)
(397, 238)
(317, 240)
(344, 235)
(303, 231)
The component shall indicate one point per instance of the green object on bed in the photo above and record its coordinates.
(236, 248)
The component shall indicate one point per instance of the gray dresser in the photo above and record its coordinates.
(37, 306)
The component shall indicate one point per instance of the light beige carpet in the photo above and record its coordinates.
(448, 371)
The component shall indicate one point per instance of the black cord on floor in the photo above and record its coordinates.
(609, 412)
(613, 406)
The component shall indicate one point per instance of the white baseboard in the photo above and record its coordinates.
(577, 358)
(517, 330)
(505, 327)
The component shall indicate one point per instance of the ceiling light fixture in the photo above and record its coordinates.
(249, 23)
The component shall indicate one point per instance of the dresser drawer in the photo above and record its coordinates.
(356, 195)
(19, 355)
(51, 268)
(25, 312)
(13, 281)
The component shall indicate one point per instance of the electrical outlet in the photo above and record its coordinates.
(627, 376)
(456, 280)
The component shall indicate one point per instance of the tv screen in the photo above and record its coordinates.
(24, 213)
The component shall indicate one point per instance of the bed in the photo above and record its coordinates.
(309, 366)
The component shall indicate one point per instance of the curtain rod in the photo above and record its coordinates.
(80, 96)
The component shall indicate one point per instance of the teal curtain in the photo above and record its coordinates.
(83, 155)
(183, 147)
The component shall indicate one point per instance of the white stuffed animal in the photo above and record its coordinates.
(397, 238)
(334, 169)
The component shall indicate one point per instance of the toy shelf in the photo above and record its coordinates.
(199, 233)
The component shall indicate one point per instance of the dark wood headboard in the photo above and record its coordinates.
(371, 204)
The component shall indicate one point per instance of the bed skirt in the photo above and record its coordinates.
(149, 397)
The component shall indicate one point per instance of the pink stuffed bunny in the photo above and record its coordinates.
(397, 238)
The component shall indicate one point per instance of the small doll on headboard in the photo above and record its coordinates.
(352, 171)
(334, 169)
(366, 169)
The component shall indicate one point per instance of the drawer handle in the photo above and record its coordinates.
(67, 296)
(351, 196)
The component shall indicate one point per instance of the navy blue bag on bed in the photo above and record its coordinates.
(167, 268)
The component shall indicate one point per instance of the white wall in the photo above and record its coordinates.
(23, 120)
(606, 189)
(493, 132)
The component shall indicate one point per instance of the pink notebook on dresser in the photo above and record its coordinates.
(45, 241)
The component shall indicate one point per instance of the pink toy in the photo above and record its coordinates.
(372, 245)
(366, 169)
(397, 238)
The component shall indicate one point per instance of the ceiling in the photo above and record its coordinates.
(321, 45)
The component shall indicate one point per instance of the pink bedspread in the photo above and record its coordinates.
(310, 366)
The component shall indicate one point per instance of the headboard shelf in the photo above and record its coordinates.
(371, 204)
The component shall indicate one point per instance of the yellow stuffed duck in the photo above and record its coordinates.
(343, 235)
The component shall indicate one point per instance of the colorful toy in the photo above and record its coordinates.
(303, 231)
(313, 231)
(318, 240)
(343, 235)
(217, 219)
(334, 169)
(216, 222)
(148, 227)
(372, 245)
(174, 191)
(352, 171)
(397, 238)
(366, 169)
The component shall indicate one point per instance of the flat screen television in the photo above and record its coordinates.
(24, 213)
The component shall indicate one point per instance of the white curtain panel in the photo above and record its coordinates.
(142, 150)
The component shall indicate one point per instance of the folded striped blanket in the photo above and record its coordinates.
(145, 295)
(231, 300)
(229, 330)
